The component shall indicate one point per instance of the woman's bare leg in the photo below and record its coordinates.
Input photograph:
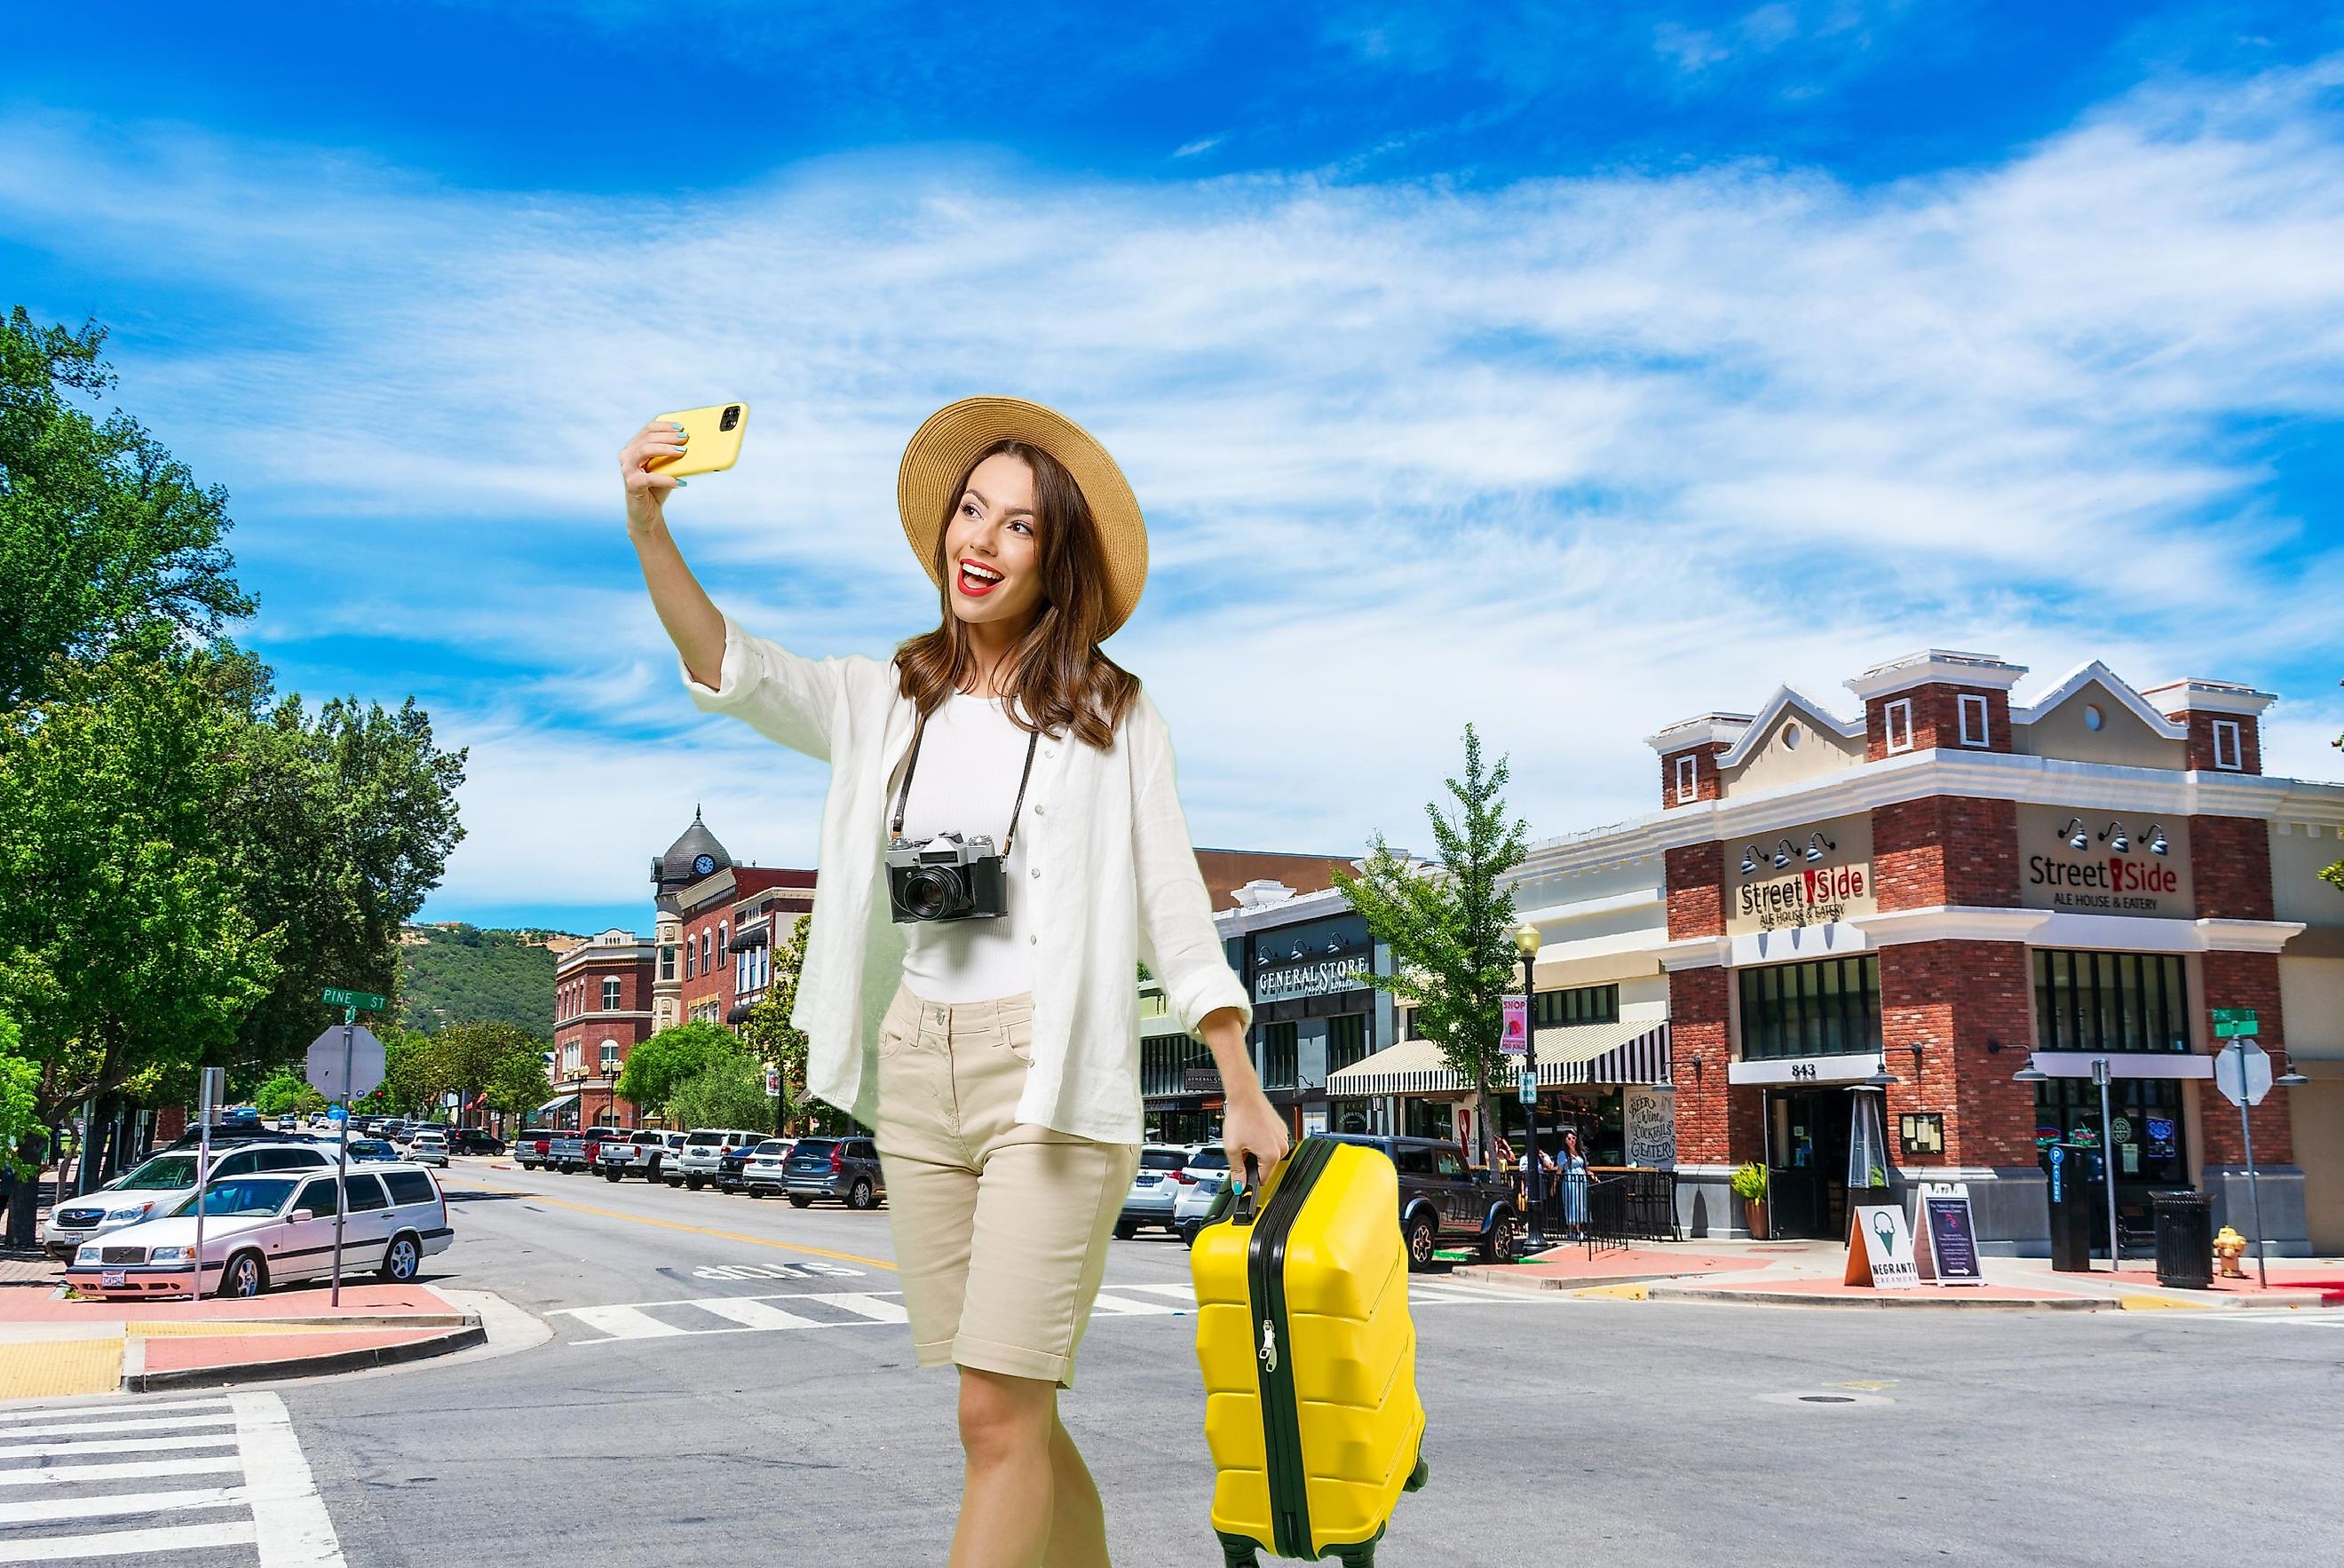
(1077, 1522)
(1006, 1492)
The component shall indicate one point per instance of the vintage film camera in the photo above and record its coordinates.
(945, 878)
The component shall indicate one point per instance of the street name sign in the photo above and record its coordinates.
(337, 997)
(1527, 1090)
(325, 1069)
(2230, 1023)
(1880, 1248)
(2244, 1076)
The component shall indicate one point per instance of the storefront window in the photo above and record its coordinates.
(1278, 1056)
(2110, 1002)
(1579, 1005)
(1347, 1040)
(1827, 1008)
(2145, 1119)
(1165, 1061)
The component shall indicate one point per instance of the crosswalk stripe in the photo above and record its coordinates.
(118, 1445)
(129, 1543)
(1173, 1288)
(54, 1474)
(160, 1425)
(215, 1406)
(49, 1509)
(623, 1323)
(289, 1521)
(1119, 1306)
(752, 1314)
(878, 1308)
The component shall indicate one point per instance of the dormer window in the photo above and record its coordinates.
(1974, 719)
(1896, 725)
(2228, 751)
(1688, 777)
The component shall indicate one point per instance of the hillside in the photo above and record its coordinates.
(475, 977)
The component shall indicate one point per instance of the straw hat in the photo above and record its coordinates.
(941, 451)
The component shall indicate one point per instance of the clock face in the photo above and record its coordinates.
(703, 864)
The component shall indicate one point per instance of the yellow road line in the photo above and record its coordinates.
(694, 1229)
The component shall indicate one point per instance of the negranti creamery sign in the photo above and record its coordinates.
(1812, 874)
(2103, 863)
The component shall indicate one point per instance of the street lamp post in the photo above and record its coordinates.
(1526, 943)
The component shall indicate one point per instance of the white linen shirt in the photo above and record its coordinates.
(1111, 873)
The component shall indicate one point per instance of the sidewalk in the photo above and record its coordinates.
(51, 1347)
(1811, 1274)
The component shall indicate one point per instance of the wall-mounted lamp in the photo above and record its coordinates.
(2030, 1074)
(2289, 1079)
(1696, 1066)
(1916, 1061)
(1992, 1047)
(2077, 835)
(1817, 844)
(2113, 835)
(1749, 860)
(2157, 845)
(1783, 850)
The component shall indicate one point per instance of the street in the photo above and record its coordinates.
(726, 1384)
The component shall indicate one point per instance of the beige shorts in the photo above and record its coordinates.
(1000, 1226)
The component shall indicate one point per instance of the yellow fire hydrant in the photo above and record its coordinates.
(2229, 1247)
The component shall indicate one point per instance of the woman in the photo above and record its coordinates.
(993, 1047)
(1573, 1170)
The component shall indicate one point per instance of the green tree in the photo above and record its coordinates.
(287, 1092)
(659, 1067)
(127, 954)
(22, 1133)
(727, 1091)
(767, 1031)
(1451, 924)
(518, 1084)
(103, 534)
(468, 1058)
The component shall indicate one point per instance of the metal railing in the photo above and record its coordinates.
(1607, 1212)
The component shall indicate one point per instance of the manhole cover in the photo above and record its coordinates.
(1833, 1400)
(1826, 1399)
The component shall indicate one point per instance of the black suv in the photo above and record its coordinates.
(1442, 1198)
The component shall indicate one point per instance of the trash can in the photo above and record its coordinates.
(2185, 1239)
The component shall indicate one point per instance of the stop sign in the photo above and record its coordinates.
(2242, 1071)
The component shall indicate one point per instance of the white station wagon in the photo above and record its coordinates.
(272, 1229)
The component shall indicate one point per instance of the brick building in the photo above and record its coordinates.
(1859, 928)
(602, 1010)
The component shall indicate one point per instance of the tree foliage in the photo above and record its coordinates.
(1450, 925)
(287, 1092)
(519, 1085)
(467, 975)
(661, 1065)
(767, 1031)
(728, 1090)
(21, 1127)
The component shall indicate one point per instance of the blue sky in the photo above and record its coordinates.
(1563, 369)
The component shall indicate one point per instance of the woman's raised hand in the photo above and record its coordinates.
(647, 487)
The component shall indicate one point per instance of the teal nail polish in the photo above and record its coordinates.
(681, 483)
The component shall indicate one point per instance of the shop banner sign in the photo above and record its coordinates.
(1947, 1248)
(1880, 1248)
(1650, 1115)
(1514, 1026)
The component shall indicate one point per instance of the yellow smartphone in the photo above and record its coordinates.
(715, 439)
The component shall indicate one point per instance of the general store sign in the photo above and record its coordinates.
(1312, 979)
(2116, 871)
(1825, 875)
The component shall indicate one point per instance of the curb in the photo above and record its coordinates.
(1892, 1299)
(352, 1320)
(1519, 1281)
(137, 1380)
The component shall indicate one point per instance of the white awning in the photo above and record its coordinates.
(559, 1102)
(1633, 1051)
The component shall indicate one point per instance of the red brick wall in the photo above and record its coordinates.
(2230, 863)
(2201, 740)
(1952, 999)
(1936, 719)
(1696, 884)
(2248, 980)
(1706, 780)
(1947, 849)
(1713, 1125)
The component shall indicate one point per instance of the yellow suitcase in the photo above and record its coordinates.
(1309, 1359)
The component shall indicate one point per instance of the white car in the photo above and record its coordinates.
(157, 1185)
(271, 1229)
(695, 1163)
(1207, 1171)
(429, 1148)
(762, 1174)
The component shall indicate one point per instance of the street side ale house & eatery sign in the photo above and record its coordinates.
(1813, 875)
(2103, 862)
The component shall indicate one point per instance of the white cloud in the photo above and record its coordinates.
(1569, 458)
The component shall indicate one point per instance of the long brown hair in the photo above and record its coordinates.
(1055, 673)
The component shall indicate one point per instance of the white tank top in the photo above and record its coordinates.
(971, 755)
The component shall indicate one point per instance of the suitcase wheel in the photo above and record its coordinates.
(1417, 1477)
(1239, 1552)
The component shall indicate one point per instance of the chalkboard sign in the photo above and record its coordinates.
(1946, 1250)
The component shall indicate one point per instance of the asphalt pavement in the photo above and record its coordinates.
(726, 1383)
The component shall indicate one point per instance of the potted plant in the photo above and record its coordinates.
(1750, 1185)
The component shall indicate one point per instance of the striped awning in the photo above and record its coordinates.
(1633, 1051)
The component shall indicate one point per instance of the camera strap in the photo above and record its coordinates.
(911, 763)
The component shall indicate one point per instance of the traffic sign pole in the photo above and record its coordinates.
(342, 1153)
(2247, 1132)
(2108, 1162)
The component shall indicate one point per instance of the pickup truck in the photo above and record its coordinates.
(639, 1153)
(529, 1147)
(569, 1152)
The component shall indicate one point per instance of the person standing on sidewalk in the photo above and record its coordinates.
(1572, 1168)
(993, 1043)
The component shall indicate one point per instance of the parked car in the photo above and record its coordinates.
(765, 1172)
(156, 1186)
(529, 1147)
(429, 1148)
(703, 1148)
(1443, 1200)
(845, 1168)
(372, 1150)
(1155, 1189)
(642, 1151)
(569, 1152)
(264, 1229)
(732, 1164)
(474, 1140)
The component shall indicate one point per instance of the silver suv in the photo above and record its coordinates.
(694, 1165)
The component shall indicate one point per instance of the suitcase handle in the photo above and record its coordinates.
(1244, 1199)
